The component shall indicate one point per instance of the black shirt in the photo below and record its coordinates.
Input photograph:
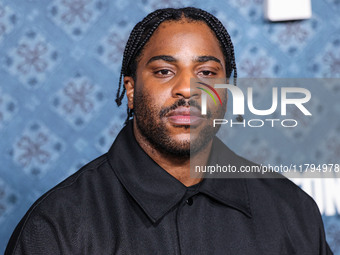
(124, 203)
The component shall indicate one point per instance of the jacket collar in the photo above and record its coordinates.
(156, 191)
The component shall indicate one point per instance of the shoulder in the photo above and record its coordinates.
(281, 200)
(60, 211)
(75, 186)
(274, 191)
(274, 187)
(280, 189)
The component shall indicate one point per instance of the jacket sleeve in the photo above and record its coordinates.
(51, 226)
(328, 250)
(324, 247)
(35, 234)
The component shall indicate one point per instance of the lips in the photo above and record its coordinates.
(185, 116)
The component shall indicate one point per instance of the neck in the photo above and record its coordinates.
(178, 167)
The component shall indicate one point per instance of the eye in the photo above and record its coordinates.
(207, 73)
(163, 72)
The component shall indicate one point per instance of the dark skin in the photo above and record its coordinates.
(176, 52)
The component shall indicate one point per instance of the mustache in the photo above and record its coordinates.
(182, 102)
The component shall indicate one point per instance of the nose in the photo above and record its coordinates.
(182, 88)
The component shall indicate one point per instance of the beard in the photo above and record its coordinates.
(153, 127)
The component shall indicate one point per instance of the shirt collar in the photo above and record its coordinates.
(155, 190)
(232, 192)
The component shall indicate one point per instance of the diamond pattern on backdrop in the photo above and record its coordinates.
(36, 149)
(75, 17)
(78, 100)
(31, 60)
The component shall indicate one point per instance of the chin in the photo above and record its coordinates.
(181, 137)
(178, 148)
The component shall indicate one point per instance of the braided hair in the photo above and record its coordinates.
(143, 31)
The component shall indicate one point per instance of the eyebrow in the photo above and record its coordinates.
(207, 58)
(171, 59)
(166, 58)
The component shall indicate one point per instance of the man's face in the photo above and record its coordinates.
(167, 113)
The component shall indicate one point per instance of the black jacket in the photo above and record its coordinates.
(124, 203)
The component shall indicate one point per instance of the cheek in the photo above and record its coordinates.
(224, 99)
(217, 110)
(155, 96)
(147, 102)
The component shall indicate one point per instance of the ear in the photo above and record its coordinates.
(129, 85)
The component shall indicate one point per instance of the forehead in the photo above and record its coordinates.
(183, 36)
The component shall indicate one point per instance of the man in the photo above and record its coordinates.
(139, 198)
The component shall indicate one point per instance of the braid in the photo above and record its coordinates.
(143, 31)
(225, 41)
(132, 48)
(119, 97)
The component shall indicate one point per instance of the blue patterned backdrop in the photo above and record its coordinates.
(59, 69)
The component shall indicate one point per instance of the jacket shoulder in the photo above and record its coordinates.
(44, 221)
